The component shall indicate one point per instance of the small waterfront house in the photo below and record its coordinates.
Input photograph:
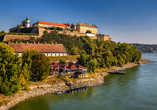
(69, 68)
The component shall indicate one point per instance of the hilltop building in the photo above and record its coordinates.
(47, 49)
(82, 28)
(50, 24)
(103, 37)
(28, 24)
(63, 28)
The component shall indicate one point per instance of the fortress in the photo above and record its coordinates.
(65, 28)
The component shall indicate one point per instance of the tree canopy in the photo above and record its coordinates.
(10, 69)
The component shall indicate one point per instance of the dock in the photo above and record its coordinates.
(72, 90)
(81, 88)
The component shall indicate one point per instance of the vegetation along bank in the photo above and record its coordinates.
(28, 76)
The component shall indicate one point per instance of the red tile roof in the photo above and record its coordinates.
(68, 25)
(50, 23)
(81, 67)
(55, 65)
(47, 48)
(73, 67)
(70, 66)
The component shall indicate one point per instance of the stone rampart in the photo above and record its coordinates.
(8, 37)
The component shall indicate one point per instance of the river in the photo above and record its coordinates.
(137, 90)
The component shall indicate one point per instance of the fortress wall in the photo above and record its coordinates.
(25, 37)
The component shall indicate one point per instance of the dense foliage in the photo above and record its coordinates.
(110, 54)
(10, 69)
(62, 61)
(38, 64)
(73, 44)
(147, 48)
(102, 53)
(14, 73)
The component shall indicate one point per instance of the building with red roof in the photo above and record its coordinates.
(47, 49)
(49, 24)
(68, 68)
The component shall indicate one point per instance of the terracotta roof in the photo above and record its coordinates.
(50, 23)
(48, 48)
(68, 25)
(80, 66)
(73, 67)
(70, 66)
(55, 65)
(87, 25)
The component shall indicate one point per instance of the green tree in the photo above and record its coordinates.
(74, 51)
(26, 72)
(23, 23)
(91, 66)
(40, 66)
(25, 75)
(83, 59)
(18, 26)
(72, 27)
(10, 69)
(2, 32)
(62, 61)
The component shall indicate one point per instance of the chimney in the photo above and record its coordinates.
(16, 42)
(34, 42)
(38, 42)
(20, 42)
(56, 43)
(52, 43)
(27, 42)
(45, 42)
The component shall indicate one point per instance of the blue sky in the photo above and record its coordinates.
(130, 21)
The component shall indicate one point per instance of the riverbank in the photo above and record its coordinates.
(42, 89)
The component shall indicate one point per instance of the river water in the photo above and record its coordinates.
(137, 90)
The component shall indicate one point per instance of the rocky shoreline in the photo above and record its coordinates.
(37, 90)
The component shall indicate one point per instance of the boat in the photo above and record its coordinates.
(120, 71)
(61, 92)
